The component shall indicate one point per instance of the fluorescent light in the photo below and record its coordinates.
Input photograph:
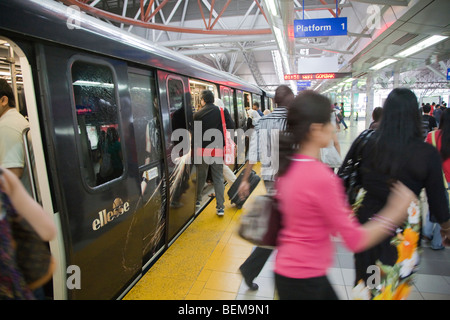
(420, 46)
(383, 64)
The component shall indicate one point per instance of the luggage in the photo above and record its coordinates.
(233, 191)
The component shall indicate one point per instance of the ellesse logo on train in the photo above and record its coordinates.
(119, 207)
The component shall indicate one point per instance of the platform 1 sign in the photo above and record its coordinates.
(320, 27)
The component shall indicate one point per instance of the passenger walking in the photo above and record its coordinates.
(16, 202)
(397, 151)
(312, 205)
(211, 153)
(437, 114)
(441, 140)
(228, 174)
(428, 122)
(265, 137)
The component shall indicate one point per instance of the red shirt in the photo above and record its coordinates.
(446, 163)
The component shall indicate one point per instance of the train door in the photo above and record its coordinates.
(88, 118)
(176, 113)
(21, 80)
(241, 124)
(147, 131)
(228, 101)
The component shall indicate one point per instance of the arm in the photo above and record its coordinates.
(25, 206)
(361, 237)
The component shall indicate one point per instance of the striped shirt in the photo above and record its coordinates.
(264, 142)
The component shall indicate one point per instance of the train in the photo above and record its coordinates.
(102, 104)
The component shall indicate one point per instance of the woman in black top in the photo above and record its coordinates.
(396, 151)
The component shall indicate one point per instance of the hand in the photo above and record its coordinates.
(398, 202)
(244, 190)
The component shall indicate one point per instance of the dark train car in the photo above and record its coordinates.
(102, 105)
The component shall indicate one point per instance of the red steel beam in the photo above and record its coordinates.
(220, 14)
(139, 23)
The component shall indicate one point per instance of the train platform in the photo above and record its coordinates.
(203, 263)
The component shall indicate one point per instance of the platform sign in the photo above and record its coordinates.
(320, 27)
(303, 83)
(448, 74)
(317, 76)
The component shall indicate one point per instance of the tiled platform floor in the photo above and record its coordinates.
(203, 263)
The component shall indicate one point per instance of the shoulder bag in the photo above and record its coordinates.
(349, 171)
(261, 223)
(230, 146)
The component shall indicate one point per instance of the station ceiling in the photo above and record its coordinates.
(239, 36)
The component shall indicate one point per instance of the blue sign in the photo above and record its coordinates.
(448, 74)
(303, 83)
(320, 27)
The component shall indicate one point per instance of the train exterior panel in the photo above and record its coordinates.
(102, 106)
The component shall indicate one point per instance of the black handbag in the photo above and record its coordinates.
(349, 171)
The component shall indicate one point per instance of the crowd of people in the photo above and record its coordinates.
(408, 152)
(384, 230)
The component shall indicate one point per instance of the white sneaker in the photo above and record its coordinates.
(220, 212)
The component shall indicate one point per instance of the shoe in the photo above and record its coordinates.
(197, 204)
(250, 284)
(220, 212)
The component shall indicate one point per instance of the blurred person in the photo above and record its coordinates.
(16, 202)
(265, 136)
(428, 122)
(341, 117)
(397, 151)
(331, 155)
(12, 124)
(210, 118)
(228, 174)
(255, 114)
(376, 116)
(312, 205)
(432, 230)
(437, 114)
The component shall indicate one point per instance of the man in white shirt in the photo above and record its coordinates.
(12, 124)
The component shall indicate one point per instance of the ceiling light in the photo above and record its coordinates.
(420, 46)
(383, 64)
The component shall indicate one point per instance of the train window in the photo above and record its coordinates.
(147, 130)
(242, 114)
(196, 87)
(98, 122)
(227, 99)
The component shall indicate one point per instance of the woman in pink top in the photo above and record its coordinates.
(313, 205)
(432, 230)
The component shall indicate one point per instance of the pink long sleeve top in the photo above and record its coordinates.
(313, 207)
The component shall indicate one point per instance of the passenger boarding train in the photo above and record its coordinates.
(102, 104)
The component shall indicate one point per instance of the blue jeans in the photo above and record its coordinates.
(432, 230)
